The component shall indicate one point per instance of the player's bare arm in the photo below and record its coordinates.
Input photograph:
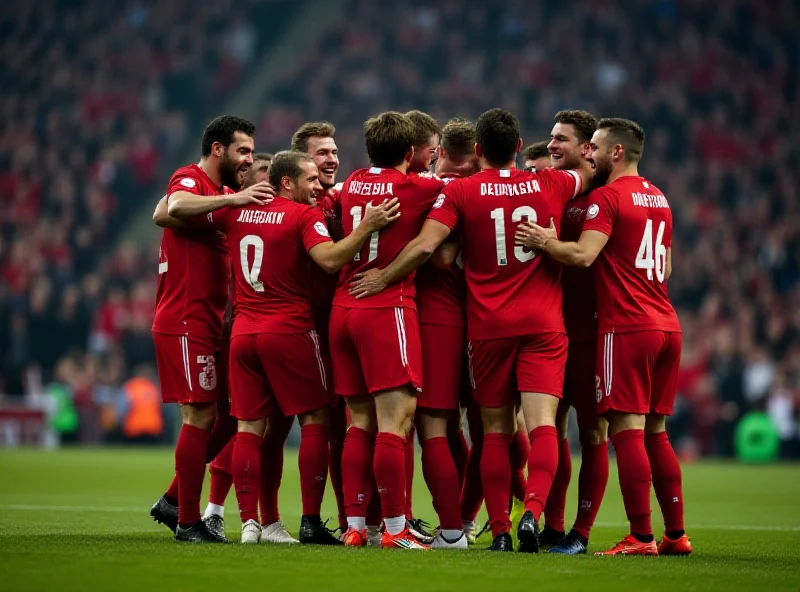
(415, 253)
(162, 218)
(183, 204)
(333, 256)
(577, 254)
(447, 253)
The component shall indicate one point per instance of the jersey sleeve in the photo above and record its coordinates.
(601, 214)
(314, 229)
(447, 206)
(219, 219)
(565, 184)
(184, 181)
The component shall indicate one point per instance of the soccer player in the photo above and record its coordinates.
(628, 230)
(375, 344)
(536, 156)
(192, 294)
(274, 344)
(515, 328)
(441, 300)
(426, 141)
(317, 140)
(569, 146)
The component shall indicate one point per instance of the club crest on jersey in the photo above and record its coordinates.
(208, 376)
(598, 391)
(439, 201)
(592, 212)
(321, 229)
(188, 182)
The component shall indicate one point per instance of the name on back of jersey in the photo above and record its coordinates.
(365, 188)
(511, 189)
(260, 217)
(646, 200)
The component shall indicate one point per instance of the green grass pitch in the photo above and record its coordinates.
(78, 520)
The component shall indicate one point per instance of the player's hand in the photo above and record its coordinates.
(258, 194)
(367, 283)
(382, 215)
(534, 236)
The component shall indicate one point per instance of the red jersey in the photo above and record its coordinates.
(442, 293)
(193, 268)
(321, 283)
(510, 290)
(270, 247)
(371, 186)
(630, 271)
(577, 284)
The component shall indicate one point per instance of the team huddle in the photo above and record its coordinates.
(440, 280)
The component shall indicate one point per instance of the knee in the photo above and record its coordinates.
(319, 416)
(199, 415)
(432, 423)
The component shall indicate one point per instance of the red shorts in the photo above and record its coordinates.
(375, 349)
(638, 372)
(502, 368)
(579, 381)
(187, 368)
(442, 366)
(223, 382)
(272, 372)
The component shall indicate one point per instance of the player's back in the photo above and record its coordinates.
(368, 187)
(631, 269)
(269, 247)
(511, 290)
(577, 284)
(193, 268)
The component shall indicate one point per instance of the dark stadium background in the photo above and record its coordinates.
(101, 101)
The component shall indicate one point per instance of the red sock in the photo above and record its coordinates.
(666, 479)
(460, 453)
(338, 433)
(312, 459)
(271, 475)
(409, 471)
(357, 476)
(373, 514)
(172, 493)
(441, 477)
(390, 475)
(246, 467)
(634, 478)
(542, 465)
(496, 478)
(221, 476)
(592, 481)
(519, 452)
(472, 491)
(190, 467)
(222, 433)
(557, 498)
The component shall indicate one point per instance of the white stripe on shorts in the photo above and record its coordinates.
(469, 365)
(320, 363)
(608, 362)
(186, 368)
(401, 334)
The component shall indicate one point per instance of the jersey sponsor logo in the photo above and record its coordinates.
(592, 212)
(573, 215)
(439, 201)
(187, 182)
(321, 230)
(208, 376)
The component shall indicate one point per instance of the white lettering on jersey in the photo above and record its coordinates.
(364, 188)
(511, 189)
(645, 200)
(260, 217)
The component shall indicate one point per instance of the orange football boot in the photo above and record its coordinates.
(354, 538)
(680, 546)
(404, 540)
(630, 546)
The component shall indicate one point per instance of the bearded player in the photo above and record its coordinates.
(569, 146)
(628, 231)
(193, 280)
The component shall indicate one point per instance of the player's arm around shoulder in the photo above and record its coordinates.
(332, 256)
(185, 204)
(162, 218)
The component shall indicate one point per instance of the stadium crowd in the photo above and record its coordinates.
(715, 86)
